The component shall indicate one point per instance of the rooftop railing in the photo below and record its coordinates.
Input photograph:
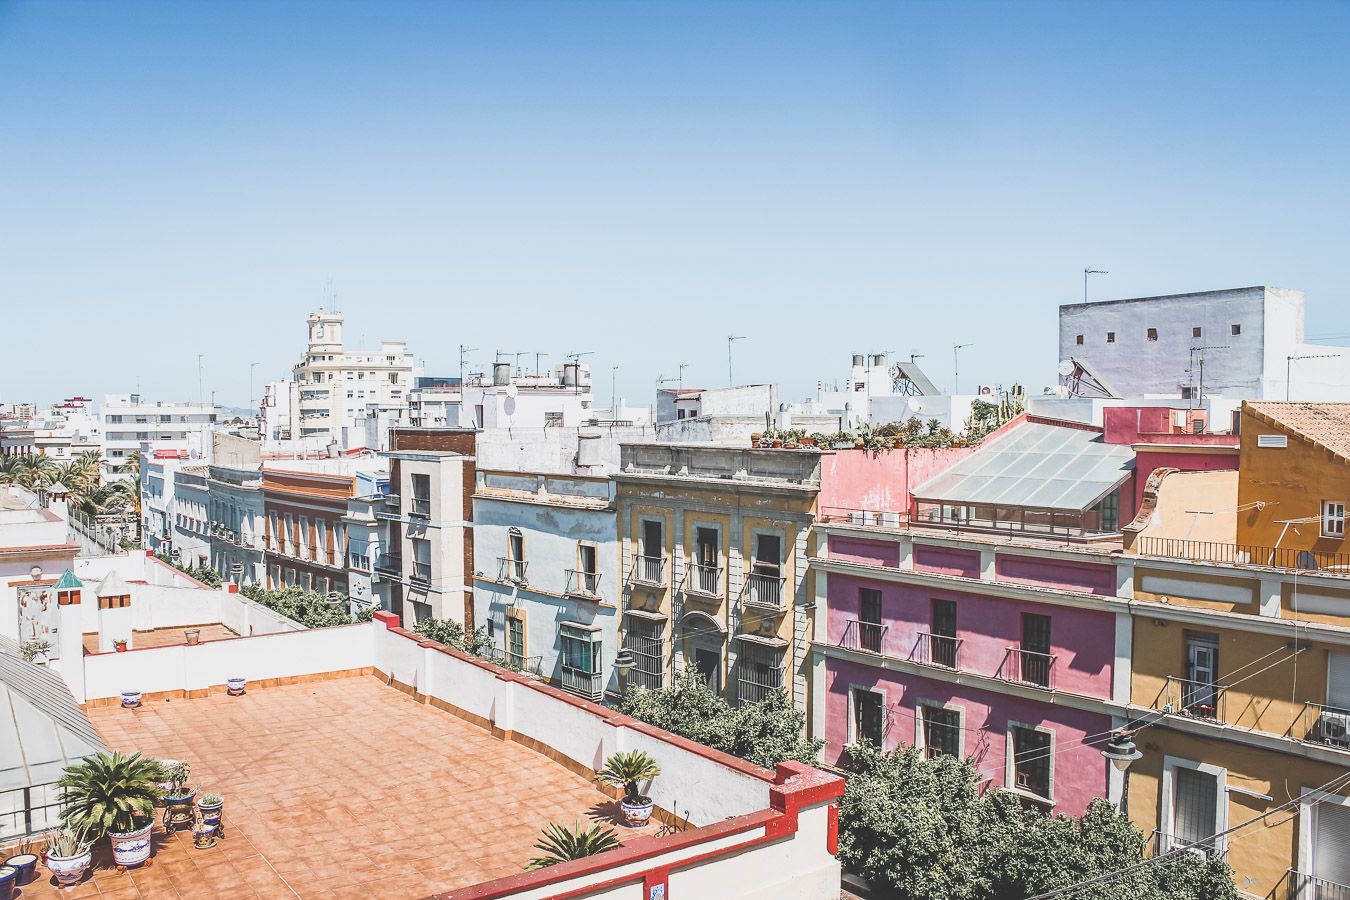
(1290, 558)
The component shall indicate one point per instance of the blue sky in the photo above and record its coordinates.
(641, 179)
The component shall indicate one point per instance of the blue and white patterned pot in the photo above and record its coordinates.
(69, 870)
(131, 699)
(211, 814)
(235, 686)
(131, 848)
(26, 863)
(637, 814)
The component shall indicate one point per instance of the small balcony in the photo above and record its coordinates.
(512, 570)
(865, 636)
(389, 564)
(937, 650)
(421, 573)
(1310, 887)
(1162, 842)
(583, 584)
(704, 581)
(1327, 725)
(421, 507)
(530, 665)
(1028, 667)
(763, 589)
(1196, 699)
(649, 570)
(590, 685)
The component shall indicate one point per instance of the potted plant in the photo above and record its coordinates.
(627, 770)
(113, 794)
(211, 805)
(120, 645)
(9, 879)
(25, 860)
(178, 810)
(561, 844)
(203, 835)
(193, 635)
(235, 686)
(36, 651)
(69, 853)
(131, 699)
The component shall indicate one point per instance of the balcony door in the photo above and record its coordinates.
(1199, 694)
(1331, 849)
(709, 665)
(943, 649)
(1195, 807)
(869, 619)
(706, 560)
(1036, 649)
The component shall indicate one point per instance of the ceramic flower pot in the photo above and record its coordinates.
(193, 636)
(131, 699)
(204, 837)
(69, 870)
(235, 686)
(120, 646)
(178, 813)
(9, 879)
(637, 813)
(131, 848)
(26, 863)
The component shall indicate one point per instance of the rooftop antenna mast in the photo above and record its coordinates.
(1086, 273)
(462, 352)
(731, 339)
(1200, 393)
(1288, 362)
(956, 367)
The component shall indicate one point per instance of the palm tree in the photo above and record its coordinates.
(110, 792)
(561, 844)
(131, 464)
(91, 461)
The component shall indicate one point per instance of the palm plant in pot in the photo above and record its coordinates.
(628, 771)
(113, 794)
(561, 844)
(69, 853)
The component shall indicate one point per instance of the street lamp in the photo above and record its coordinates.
(624, 663)
(1121, 751)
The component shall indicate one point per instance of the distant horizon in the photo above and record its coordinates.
(642, 180)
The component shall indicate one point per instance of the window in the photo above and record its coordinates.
(1153, 334)
(421, 495)
(581, 660)
(868, 721)
(1031, 760)
(1195, 332)
(707, 563)
(587, 579)
(1107, 513)
(942, 641)
(644, 639)
(1035, 651)
(1078, 340)
(553, 420)
(421, 567)
(1195, 806)
(513, 565)
(1188, 393)
(765, 582)
(869, 620)
(939, 730)
(1333, 519)
(652, 552)
(1236, 329)
(761, 672)
(1330, 846)
(1110, 337)
(709, 665)
(1200, 692)
(515, 641)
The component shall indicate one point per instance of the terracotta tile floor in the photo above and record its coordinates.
(163, 637)
(343, 788)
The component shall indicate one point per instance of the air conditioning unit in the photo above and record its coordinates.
(1334, 727)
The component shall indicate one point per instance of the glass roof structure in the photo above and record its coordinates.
(42, 728)
(1035, 465)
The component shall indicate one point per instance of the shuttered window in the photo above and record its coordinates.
(1195, 805)
(1331, 843)
(1338, 680)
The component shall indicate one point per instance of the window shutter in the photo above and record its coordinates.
(1338, 679)
(1194, 806)
(1331, 847)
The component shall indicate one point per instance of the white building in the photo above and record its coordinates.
(192, 516)
(63, 431)
(274, 415)
(128, 422)
(35, 549)
(334, 386)
(1241, 343)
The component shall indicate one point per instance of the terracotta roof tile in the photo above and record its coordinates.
(1327, 424)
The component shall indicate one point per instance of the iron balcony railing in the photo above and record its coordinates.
(649, 570)
(1244, 554)
(860, 635)
(757, 681)
(421, 506)
(389, 564)
(1028, 667)
(421, 572)
(937, 650)
(530, 665)
(1322, 724)
(762, 589)
(650, 658)
(704, 581)
(29, 810)
(1310, 887)
(1161, 843)
(583, 584)
(590, 685)
(511, 569)
(1197, 699)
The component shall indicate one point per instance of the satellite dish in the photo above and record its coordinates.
(1066, 367)
(512, 390)
(896, 371)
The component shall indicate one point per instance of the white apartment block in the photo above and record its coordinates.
(63, 431)
(335, 388)
(1241, 343)
(128, 422)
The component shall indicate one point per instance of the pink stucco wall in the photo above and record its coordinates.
(1079, 772)
(1082, 640)
(1056, 573)
(875, 553)
(947, 560)
(879, 482)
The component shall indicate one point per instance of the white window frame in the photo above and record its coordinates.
(1167, 801)
(852, 740)
(1307, 803)
(1010, 762)
(951, 706)
(1333, 518)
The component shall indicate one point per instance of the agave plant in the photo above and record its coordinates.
(627, 770)
(561, 844)
(110, 793)
(66, 842)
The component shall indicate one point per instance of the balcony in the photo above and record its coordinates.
(763, 589)
(421, 507)
(1289, 558)
(530, 665)
(389, 564)
(512, 570)
(1196, 699)
(649, 570)
(583, 584)
(590, 685)
(1161, 843)
(704, 581)
(1310, 887)
(937, 650)
(1028, 667)
(1328, 725)
(421, 573)
(865, 636)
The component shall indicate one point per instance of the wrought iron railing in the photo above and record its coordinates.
(860, 635)
(511, 569)
(588, 684)
(1161, 842)
(1310, 887)
(1197, 699)
(649, 570)
(704, 581)
(530, 665)
(1322, 724)
(1028, 667)
(29, 810)
(1243, 554)
(764, 590)
(421, 506)
(389, 564)
(421, 572)
(583, 584)
(757, 681)
(650, 658)
(937, 650)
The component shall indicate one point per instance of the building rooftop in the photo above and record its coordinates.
(1324, 424)
(315, 805)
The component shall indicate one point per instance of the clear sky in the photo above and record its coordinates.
(641, 179)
